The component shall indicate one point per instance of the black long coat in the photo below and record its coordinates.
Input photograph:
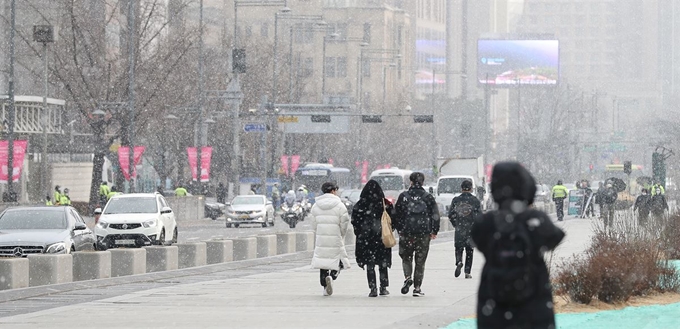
(511, 184)
(366, 216)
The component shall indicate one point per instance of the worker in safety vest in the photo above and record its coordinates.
(65, 199)
(657, 189)
(559, 193)
(48, 201)
(104, 191)
(57, 195)
(112, 193)
(181, 191)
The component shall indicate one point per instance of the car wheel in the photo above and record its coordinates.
(228, 225)
(265, 223)
(161, 237)
(174, 236)
(236, 225)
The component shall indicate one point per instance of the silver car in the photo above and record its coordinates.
(250, 209)
(43, 230)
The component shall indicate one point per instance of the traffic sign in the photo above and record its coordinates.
(254, 127)
(288, 119)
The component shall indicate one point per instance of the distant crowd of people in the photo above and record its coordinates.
(514, 279)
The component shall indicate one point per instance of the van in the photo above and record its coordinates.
(393, 181)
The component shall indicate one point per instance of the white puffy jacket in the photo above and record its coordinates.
(330, 221)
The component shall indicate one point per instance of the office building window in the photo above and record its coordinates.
(367, 32)
(366, 67)
(264, 30)
(308, 67)
(249, 31)
(341, 71)
(330, 67)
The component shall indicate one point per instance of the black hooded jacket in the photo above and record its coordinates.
(407, 224)
(366, 219)
(513, 190)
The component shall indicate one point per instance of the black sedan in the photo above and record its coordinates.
(43, 230)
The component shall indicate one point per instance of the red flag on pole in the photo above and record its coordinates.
(20, 147)
(124, 160)
(206, 156)
(284, 164)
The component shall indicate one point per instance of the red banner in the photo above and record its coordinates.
(364, 173)
(193, 162)
(284, 164)
(294, 164)
(124, 160)
(206, 156)
(19, 154)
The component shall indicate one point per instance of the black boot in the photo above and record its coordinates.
(374, 293)
(383, 291)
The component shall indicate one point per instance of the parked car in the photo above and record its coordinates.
(43, 230)
(214, 210)
(250, 209)
(136, 220)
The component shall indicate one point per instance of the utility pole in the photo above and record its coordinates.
(131, 90)
(10, 136)
(464, 47)
(44, 34)
(199, 142)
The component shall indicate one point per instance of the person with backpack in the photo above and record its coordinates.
(643, 204)
(462, 213)
(370, 251)
(515, 289)
(417, 222)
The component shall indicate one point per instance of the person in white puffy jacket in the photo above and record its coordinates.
(330, 221)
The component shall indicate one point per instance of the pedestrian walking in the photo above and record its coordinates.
(559, 193)
(599, 199)
(57, 194)
(515, 290)
(370, 251)
(221, 193)
(658, 205)
(643, 204)
(330, 221)
(276, 195)
(103, 193)
(417, 221)
(463, 211)
(609, 196)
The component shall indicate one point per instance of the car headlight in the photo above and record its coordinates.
(296, 207)
(149, 223)
(56, 248)
(102, 225)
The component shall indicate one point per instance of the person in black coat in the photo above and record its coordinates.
(643, 204)
(513, 189)
(370, 250)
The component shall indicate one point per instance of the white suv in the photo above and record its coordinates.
(136, 220)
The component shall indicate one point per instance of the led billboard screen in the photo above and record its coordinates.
(513, 62)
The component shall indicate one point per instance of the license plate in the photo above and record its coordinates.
(244, 217)
(125, 241)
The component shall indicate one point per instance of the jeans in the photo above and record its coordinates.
(333, 273)
(370, 274)
(464, 244)
(559, 208)
(420, 246)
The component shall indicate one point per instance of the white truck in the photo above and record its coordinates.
(452, 172)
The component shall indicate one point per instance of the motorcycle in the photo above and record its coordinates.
(306, 208)
(292, 213)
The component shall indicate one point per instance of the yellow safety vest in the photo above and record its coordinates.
(180, 191)
(65, 200)
(104, 190)
(559, 191)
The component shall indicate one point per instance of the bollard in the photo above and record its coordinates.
(49, 269)
(161, 258)
(266, 246)
(219, 251)
(304, 241)
(245, 248)
(88, 265)
(191, 254)
(285, 243)
(13, 273)
(127, 262)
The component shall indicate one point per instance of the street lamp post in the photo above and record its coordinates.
(131, 90)
(11, 195)
(44, 34)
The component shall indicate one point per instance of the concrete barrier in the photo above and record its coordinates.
(192, 254)
(161, 258)
(285, 243)
(89, 265)
(304, 241)
(49, 269)
(13, 273)
(245, 248)
(266, 246)
(127, 262)
(219, 251)
(187, 207)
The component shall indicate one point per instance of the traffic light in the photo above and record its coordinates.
(627, 167)
(659, 168)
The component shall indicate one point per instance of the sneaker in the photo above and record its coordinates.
(384, 291)
(373, 293)
(418, 293)
(459, 267)
(468, 276)
(325, 292)
(329, 286)
(407, 285)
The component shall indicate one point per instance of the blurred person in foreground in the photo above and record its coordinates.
(370, 250)
(330, 221)
(515, 290)
(417, 221)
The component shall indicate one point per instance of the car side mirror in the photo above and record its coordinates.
(79, 226)
(98, 211)
(166, 210)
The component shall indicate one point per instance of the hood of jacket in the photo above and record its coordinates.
(372, 191)
(512, 182)
(327, 201)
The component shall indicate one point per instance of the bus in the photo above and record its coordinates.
(313, 175)
(393, 181)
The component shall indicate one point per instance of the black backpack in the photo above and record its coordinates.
(416, 205)
(512, 266)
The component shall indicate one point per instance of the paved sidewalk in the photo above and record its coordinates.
(278, 295)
